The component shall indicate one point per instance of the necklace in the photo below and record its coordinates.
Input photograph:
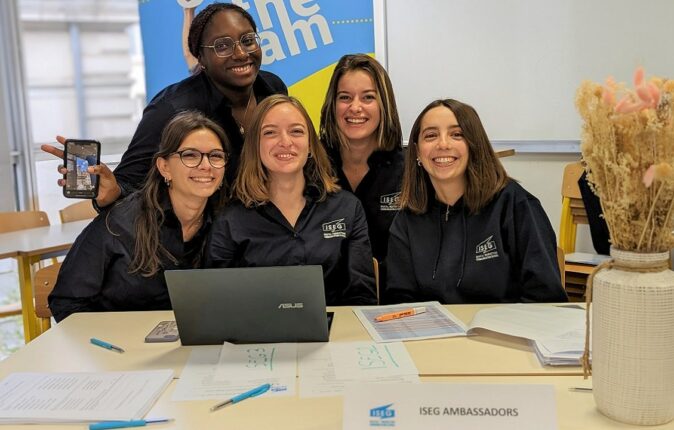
(245, 114)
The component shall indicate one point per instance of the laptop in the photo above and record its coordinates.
(249, 305)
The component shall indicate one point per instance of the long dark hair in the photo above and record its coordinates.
(148, 250)
(485, 175)
(389, 132)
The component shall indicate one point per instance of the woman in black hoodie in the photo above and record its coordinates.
(467, 233)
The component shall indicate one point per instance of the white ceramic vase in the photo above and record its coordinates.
(633, 339)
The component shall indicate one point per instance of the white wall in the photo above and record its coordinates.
(541, 175)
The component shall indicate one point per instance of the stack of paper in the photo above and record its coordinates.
(30, 398)
(560, 351)
(557, 332)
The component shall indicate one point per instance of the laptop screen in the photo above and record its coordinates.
(249, 305)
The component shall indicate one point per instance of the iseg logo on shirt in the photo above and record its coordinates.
(389, 202)
(383, 416)
(486, 250)
(336, 228)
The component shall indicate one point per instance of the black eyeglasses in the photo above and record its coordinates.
(192, 158)
(224, 46)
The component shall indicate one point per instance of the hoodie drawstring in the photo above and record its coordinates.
(463, 244)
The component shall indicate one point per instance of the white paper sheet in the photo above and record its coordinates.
(436, 322)
(77, 397)
(365, 361)
(317, 373)
(530, 321)
(198, 379)
(257, 362)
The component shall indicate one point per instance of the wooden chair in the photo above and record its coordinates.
(45, 279)
(573, 208)
(78, 211)
(573, 213)
(375, 263)
(15, 221)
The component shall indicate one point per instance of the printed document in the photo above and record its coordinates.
(436, 322)
(28, 398)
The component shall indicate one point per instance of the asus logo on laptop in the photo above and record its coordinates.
(291, 306)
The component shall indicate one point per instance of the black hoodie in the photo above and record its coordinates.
(505, 253)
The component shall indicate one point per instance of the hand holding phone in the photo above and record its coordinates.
(78, 156)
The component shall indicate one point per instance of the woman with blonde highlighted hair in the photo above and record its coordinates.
(289, 211)
(466, 233)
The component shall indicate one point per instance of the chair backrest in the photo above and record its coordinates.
(375, 263)
(573, 208)
(78, 211)
(44, 282)
(22, 220)
(562, 265)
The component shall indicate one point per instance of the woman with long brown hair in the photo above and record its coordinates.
(466, 233)
(289, 211)
(361, 131)
(117, 263)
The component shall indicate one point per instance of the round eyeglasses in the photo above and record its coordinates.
(192, 158)
(224, 46)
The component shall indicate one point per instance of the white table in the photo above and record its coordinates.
(30, 246)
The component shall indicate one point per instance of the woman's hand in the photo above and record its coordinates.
(108, 190)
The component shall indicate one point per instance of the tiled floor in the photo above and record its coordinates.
(11, 328)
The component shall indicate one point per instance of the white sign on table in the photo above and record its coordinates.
(443, 406)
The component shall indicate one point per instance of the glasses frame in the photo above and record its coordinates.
(234, 43)
(206, 154)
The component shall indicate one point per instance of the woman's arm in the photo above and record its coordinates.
(220, 246)
(361, 288)
(536, 247)
(401, 284)
(82, 274)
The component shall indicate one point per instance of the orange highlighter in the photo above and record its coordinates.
(400, 314)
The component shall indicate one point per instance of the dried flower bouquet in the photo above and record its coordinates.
(628, 148)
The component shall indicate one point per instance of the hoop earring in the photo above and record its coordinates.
(167, 181)
(418, 162)
(310, 155)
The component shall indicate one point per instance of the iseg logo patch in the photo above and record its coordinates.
(389, 202)
(336, 228)
(383, 416)
(486, 250)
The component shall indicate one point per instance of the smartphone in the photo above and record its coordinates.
(77, 157)
(165, 331)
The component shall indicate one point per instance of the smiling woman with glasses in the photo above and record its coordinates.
(227, 86)
(117, 263)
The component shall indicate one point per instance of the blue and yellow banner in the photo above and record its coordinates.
(301, 41)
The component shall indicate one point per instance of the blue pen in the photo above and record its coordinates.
(243, 396)
(105, 345)
(105, 425)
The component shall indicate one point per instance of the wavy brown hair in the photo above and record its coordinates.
(252, 180)
(485, 175)
(389, 132)
(148, 250)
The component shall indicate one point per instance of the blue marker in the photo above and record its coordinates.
(243, 396)
(105, 345)
(105, 425)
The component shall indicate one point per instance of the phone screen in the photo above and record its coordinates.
(79, 155)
